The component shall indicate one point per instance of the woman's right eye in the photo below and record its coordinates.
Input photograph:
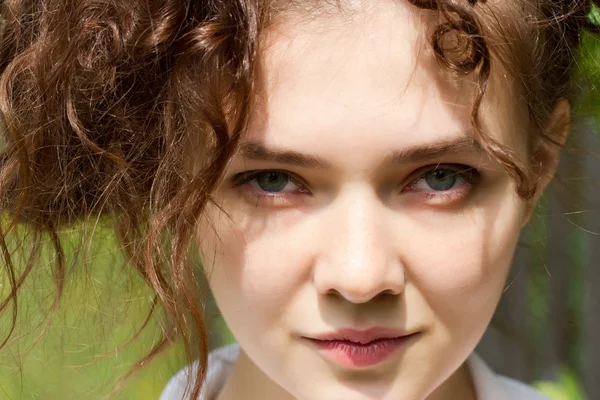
(273, 187)
(272, 181)
(268, 181)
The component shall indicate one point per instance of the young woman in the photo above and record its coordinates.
(353, 174)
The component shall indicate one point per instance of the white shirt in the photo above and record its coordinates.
(488, 385)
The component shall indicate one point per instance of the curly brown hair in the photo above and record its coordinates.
(102, 99)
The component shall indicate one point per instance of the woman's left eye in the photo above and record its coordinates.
(444, 178)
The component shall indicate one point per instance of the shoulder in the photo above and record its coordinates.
(175, 388)
(491, 386)
(220, 363)
(519, 390)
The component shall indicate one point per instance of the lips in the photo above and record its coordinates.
(358, 349)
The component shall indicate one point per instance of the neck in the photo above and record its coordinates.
(459, 386)
(248, 382)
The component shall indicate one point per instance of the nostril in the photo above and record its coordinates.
(361, 296)
(390, 292)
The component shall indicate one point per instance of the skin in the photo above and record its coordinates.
(362, 241)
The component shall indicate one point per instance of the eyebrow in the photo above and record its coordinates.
(259, 152)
(413, 155)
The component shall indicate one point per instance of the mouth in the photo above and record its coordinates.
(361, 349)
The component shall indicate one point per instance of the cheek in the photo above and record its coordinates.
(250, 268)
(460, 268)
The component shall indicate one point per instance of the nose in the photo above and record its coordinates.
(359, 257)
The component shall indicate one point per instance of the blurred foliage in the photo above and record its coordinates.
(81, 353)
(567, 387)
(586, 104)
(587, 100)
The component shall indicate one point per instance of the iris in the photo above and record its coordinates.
(441, 179)
(272, 181)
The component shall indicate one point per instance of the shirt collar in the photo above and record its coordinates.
(488, 385)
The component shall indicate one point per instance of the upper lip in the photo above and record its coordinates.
(361, 336)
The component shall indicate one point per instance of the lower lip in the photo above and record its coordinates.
(357, 355)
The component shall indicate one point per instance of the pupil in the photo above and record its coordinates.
(272, 181)
(441, 180)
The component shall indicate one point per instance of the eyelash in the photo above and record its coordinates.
(468, 176)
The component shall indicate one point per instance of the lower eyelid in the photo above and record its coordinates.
(260, 198)
(445, 197)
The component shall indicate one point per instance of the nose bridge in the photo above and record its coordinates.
(359, 260)
(360, 236)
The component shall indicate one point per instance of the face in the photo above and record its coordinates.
(365, 238)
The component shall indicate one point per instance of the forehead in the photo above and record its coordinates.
(367, 72)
